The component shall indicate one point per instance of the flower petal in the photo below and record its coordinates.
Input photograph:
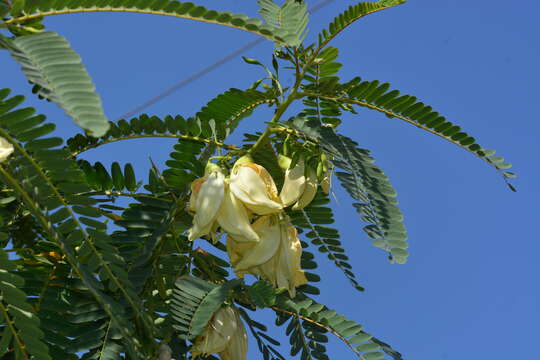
(6, 148)
(254, 186)
(238, 346)
(207, 204)
(268, 229)
(294, 185)
(233, 218)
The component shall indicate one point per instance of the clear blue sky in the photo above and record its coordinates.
(470, 289)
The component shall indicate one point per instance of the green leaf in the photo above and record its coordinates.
(365, 183)
(375, 96)
(349, 16)
(289, 20)
(262, 294)
(194, 303)
(186, 10)
(313, 320)
(22, 325)
(47, 60)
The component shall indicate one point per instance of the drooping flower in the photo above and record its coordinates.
(295, 181)
(225, 335)
(254, 187)
(206, 197)
(310, 189)
(6, 148)
(214, 204)
(276, 257)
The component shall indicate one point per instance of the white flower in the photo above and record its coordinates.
(254, 187)
(6, 148)
(276, 257)
(225, 335)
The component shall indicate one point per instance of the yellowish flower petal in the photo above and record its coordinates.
(309, 191)
(207, 203)
(294, 184)
(268, 229)
(234, 219)
(238, 346)
(254, 186)
(218, 333)
(6, 148)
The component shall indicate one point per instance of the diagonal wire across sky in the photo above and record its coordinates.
(197, 75)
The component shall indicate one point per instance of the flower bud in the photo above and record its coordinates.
(294, 184)
(309, 191)
(225, 334)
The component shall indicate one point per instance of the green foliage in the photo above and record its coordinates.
(48, 62)
(311, 320)
(315, 219)
(289, 20)
(186, 10)
(92, 277)
(194, 303)
(377, 96)
(47, 181)
(353, 13)
(20, 332)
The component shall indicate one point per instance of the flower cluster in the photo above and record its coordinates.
(260, 238)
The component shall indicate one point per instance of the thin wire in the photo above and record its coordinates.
(182, 83)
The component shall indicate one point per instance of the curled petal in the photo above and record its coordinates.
(268, 229)
(234, 219)
(254, 186)
(309, 191)
(195, 189)
(294, 185)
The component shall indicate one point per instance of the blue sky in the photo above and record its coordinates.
(470, 289)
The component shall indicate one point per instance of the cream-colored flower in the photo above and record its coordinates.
(254, 187)
(225, 335)
(213, 205)
(206, 197)
(310, 190)
(276, 257)
(294, 184)
(6, 148)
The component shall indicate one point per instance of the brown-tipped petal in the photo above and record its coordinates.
(268, 229)
(234, 219)
(195, 188)
(294, 184)
(254, 187)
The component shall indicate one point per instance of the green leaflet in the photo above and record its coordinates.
(349, 16)
(48, 61)
(308, 336)
(50, 183)
(315, 219)
(228, 109)
(265, 343)
(367, 184)
(186, 10)
(19, 325)
(194, 303)
(289, 20)
(378, 96)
